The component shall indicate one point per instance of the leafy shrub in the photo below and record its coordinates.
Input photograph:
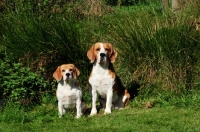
(19, 83)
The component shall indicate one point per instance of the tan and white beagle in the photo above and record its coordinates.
(104, 80)
(69, 93)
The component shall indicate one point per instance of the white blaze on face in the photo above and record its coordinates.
(67, 74)
(102, 55)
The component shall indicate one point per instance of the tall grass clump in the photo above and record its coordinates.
(36, 35)
(158, 50)
(38, 38)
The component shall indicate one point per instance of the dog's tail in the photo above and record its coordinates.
(126, 98)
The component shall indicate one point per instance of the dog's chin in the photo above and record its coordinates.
(102, 61)
(68, 79)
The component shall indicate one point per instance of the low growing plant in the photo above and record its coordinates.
(20, 84)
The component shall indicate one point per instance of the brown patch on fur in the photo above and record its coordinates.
(58, 74)
(75, 72)
(77, 84)
(111, 52)
(118, 85)
(90, 54)
(128, 97)
(148, 105)
(111, 71)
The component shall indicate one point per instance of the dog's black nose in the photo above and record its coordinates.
(67, 74)
(102, 54)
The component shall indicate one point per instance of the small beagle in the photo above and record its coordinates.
(69, 93)
(104, 80)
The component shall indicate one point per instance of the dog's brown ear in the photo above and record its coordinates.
(113, 55)
(57, 74)
(76, 72)
(91, 55)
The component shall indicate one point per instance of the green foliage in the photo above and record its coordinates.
(158, 51)
(19, 83)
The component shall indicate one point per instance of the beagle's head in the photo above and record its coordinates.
(66, 72)
(102, 52)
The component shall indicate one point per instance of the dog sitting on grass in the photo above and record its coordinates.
(68, 93)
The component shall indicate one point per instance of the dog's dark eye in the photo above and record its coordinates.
(63, 70)
(97, 49)
(107, 49)
(70, 69)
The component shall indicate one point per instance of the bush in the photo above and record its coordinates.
(19, 84)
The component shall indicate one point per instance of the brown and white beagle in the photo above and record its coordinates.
(104, 80)
(69, 93)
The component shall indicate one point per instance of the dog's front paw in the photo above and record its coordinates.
(60, 115)
(93, 112)
(107, 111)
(78, 116)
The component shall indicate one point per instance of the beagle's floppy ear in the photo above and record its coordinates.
(57, 74)
(91, 55)
(113, 54)
(76, 72)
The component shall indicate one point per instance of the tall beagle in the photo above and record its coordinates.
(104, 80)
(69, 93)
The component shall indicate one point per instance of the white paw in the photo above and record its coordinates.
(107, 111)
(78, 116)
(93, 112)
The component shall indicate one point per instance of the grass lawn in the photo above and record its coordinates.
(158, 50)
(157, 119)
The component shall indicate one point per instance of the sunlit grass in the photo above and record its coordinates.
(45, 118)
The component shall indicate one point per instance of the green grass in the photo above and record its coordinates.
(156, 119)
(158, 50)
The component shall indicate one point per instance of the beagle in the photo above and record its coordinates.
(104, 80)
(68, 93)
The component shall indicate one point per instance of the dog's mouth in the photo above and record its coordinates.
(102, 59)
(68, 78)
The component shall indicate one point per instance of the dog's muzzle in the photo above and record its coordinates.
(67, 75)
(102, 57)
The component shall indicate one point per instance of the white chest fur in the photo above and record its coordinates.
(68, 95)
(101, 81)
(102, 85)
